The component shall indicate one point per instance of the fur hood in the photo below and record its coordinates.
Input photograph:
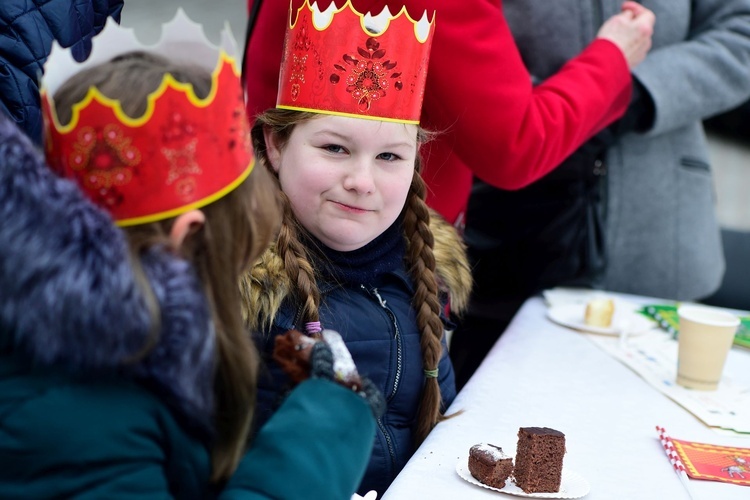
(266, 286)
(68, 296)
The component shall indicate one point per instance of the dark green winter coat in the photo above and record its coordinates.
(83, 416)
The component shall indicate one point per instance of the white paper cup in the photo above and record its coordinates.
(705, 337)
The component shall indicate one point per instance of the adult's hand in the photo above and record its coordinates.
(631, 31)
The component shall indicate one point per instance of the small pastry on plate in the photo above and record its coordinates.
(599, 312)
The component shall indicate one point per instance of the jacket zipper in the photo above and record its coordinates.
(399, 360)
(397, 337)
(298, 317)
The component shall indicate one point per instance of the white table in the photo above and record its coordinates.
(545, 375)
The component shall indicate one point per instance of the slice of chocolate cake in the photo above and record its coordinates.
(489, 465)
(539, 459)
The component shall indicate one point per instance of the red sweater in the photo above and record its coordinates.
(479, 96)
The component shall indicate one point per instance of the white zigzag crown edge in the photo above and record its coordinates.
(181, 40)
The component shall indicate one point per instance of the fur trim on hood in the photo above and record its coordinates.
(266, 286)
(69, 298)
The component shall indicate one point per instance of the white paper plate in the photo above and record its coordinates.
(572, 485)
(624, 318)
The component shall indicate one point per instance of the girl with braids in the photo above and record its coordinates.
(125, 368)
(358, 250)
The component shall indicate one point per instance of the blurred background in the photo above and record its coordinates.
(729, 135)
(147, 16)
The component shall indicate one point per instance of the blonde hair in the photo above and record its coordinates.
(237, 229)
(419, 259)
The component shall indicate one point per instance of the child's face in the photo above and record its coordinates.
(347, 178)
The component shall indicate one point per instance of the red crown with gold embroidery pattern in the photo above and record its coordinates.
(341, 62)
(183, 153)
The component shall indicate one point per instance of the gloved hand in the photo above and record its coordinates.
(328, 358)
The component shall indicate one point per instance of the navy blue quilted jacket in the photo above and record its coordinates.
(378, 324)
(27, 29)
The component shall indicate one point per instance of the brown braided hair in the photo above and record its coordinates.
(288, 246)
(419, 260)
(297, 264)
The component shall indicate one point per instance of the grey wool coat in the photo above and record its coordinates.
(662, 236)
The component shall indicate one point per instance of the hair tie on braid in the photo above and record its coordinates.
(431, 373)
(313, 328)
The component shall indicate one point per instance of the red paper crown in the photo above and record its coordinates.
(344, 63)
(183, 153)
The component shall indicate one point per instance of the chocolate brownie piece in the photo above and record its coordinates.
(539, 459)
(489, 465)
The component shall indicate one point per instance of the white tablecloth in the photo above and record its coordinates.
(545, 375)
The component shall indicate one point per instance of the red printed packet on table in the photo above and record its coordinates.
(715, 463)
